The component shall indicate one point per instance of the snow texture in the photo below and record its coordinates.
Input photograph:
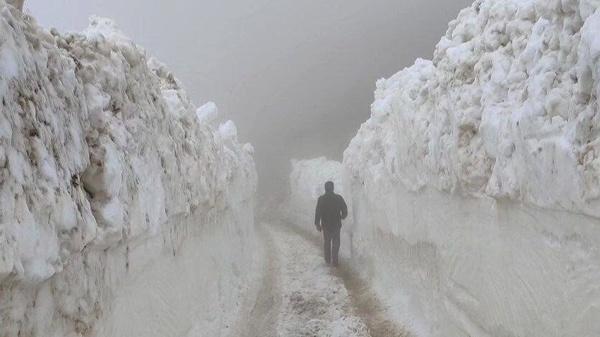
(507, 108)
(16, 3)
(314, 301)
(208, 113)
(107, 177)
(475, 184)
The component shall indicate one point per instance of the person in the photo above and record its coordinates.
(331, 210)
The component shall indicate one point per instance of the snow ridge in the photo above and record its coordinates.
(104, 167)
(508, 108)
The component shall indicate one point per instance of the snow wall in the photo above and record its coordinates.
(475, 184)
(115, 195)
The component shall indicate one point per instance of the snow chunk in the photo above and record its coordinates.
(248, 148)
(104, 28)
(228, 131)
(208, 113)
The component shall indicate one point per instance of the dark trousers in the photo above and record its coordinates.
(332, 243)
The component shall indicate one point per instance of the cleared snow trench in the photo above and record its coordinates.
(474, 190)
(128, 212)
(300, 295)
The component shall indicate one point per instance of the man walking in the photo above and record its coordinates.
(331, 210)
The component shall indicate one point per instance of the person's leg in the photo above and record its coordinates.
(335, 240)
(327, 245)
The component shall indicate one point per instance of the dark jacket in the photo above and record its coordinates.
(331, 210)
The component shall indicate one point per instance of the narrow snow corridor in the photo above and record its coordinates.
(301, 296)
(469, 199)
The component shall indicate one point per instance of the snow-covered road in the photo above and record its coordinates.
(301, 296)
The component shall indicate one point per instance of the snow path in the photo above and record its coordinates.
(300, 296)
(263, 307)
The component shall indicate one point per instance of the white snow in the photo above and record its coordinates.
(108, 182)
(475, 183)
(507, 108)
(228, 131)
(208, 113)
(474, 191)
(315, 302)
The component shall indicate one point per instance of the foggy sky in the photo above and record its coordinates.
(297, 76)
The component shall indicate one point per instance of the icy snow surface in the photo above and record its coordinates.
(109, 179)
(475, 184)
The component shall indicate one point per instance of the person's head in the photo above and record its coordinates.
(329, 187)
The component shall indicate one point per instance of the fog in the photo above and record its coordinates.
(297, 77)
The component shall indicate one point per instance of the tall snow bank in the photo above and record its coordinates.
(476, 181)
(507, 108)
(106, 176)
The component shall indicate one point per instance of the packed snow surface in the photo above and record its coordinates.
(314, 301)
(109, 178)
(475, 184)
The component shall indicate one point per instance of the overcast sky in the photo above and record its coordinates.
(297, 76)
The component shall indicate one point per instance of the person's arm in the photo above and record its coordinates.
(318, 215)
(344, 208)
